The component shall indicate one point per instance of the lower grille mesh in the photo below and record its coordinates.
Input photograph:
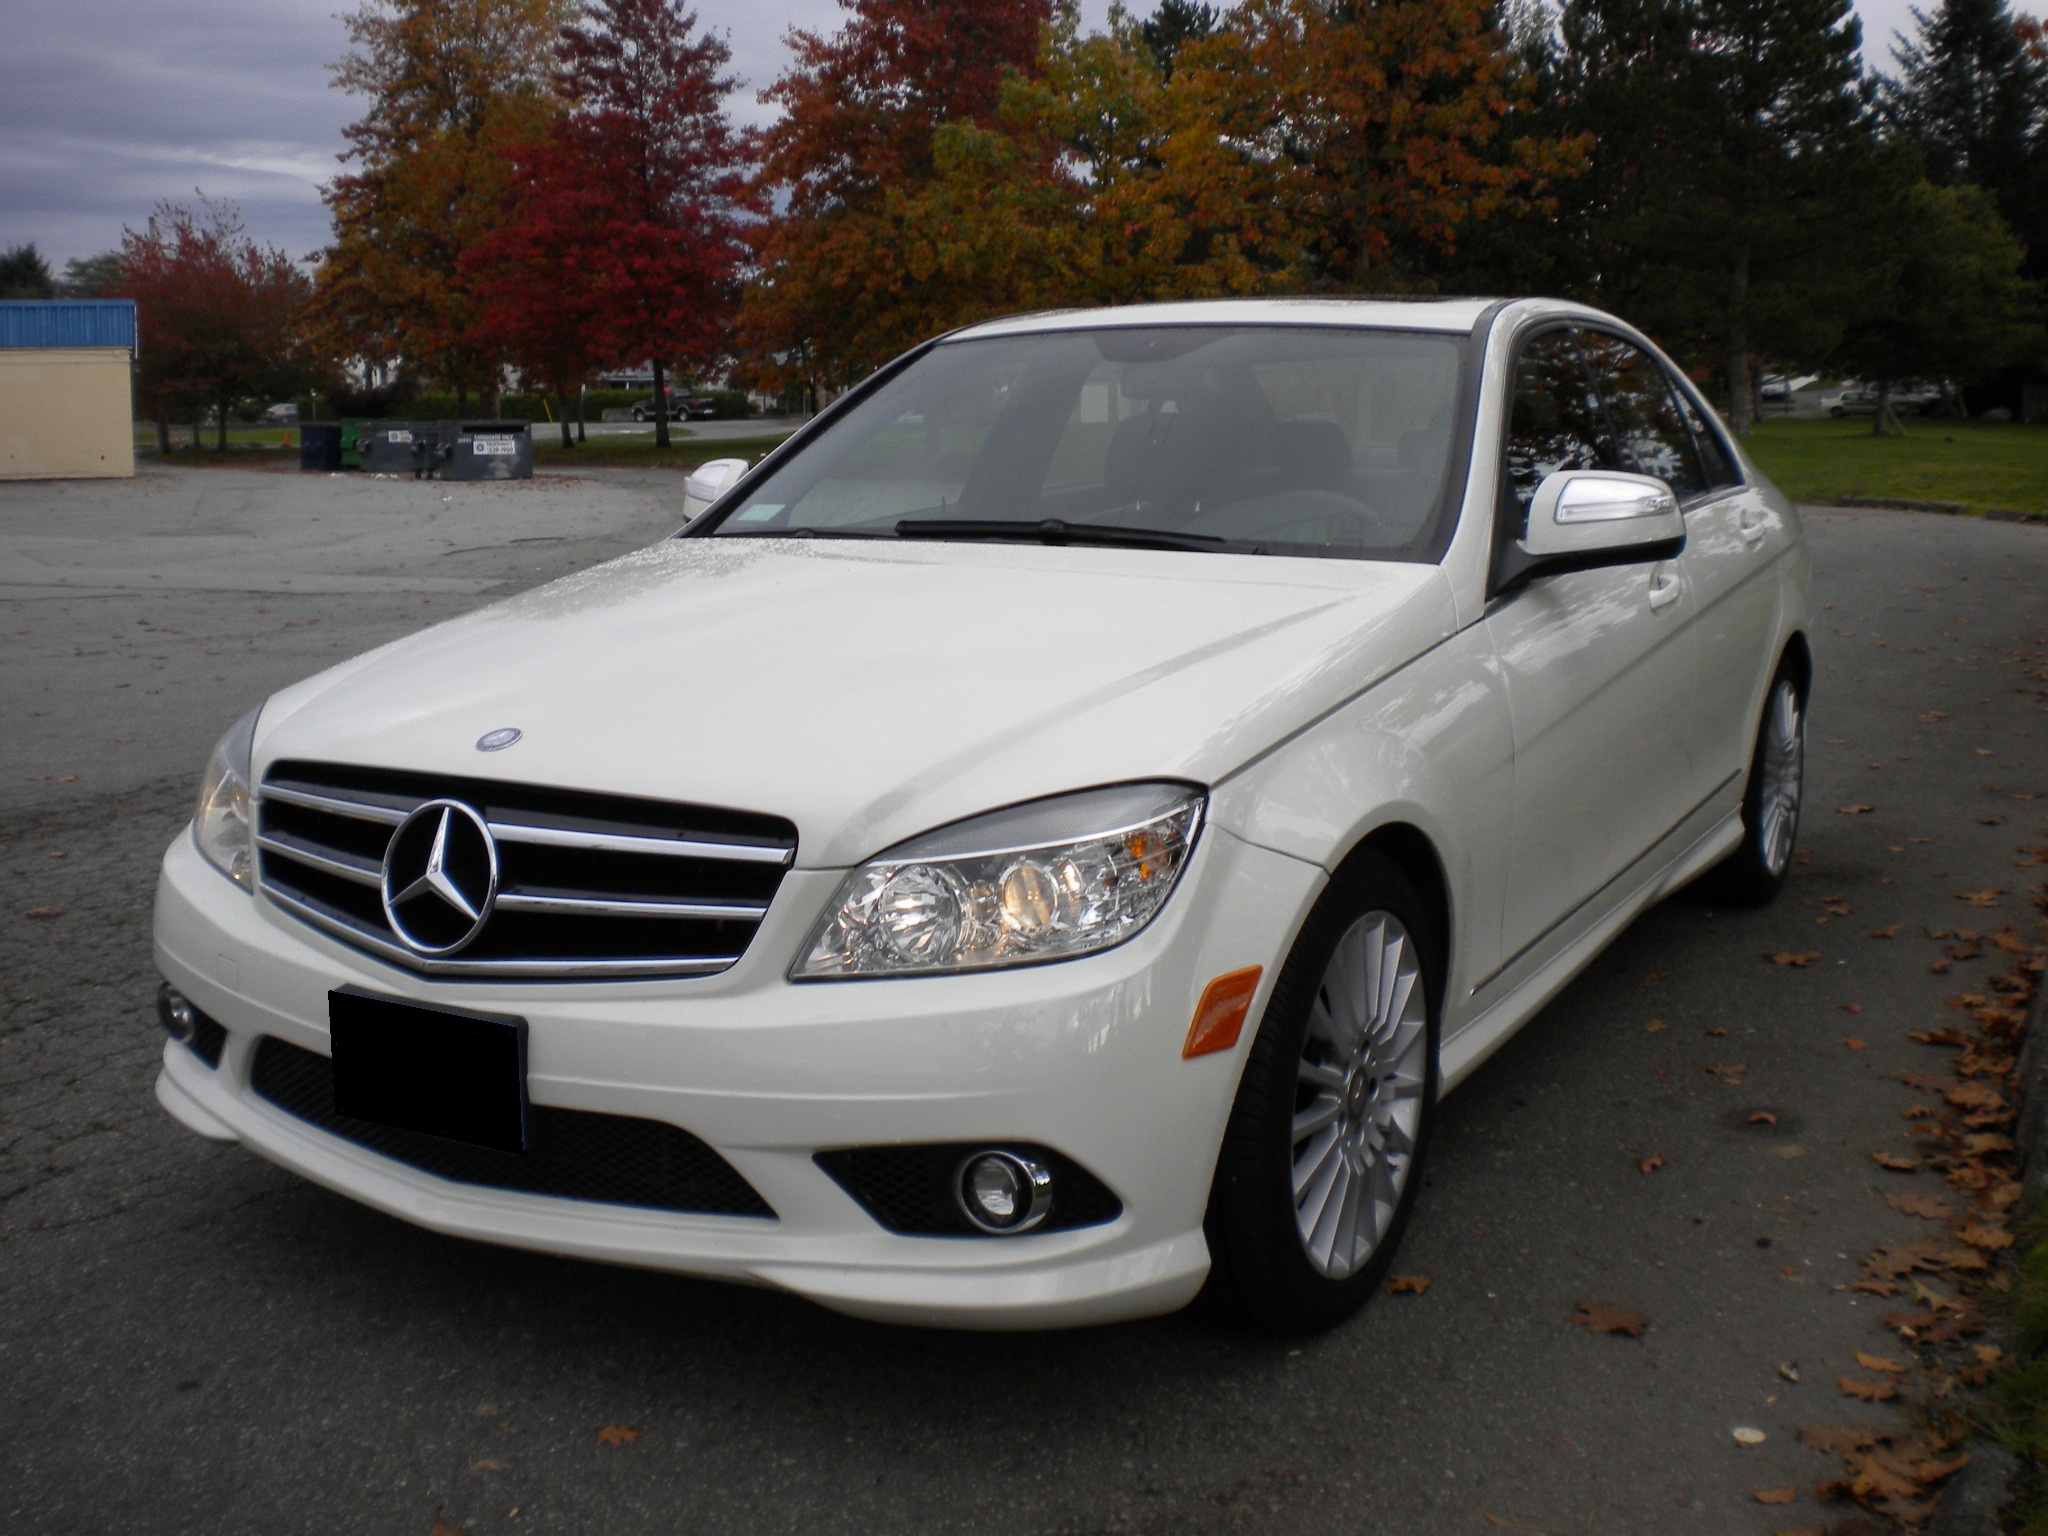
(575, 1154)
(910, 1189)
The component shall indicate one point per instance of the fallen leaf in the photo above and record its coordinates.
(1653, 1026)
(1775, 1495)
(1851, 1043)
(1889, 932)
(1867, 1391)
(1931, 716)
(1985, 898)
(1789, 1371)
(1651, 1163)
(443, 1528)
(487, 1465)
(1855, 810)
(1658, 976)
(1744, 1435)
(1894, 1161)
(1987, 1354)
(1407, 1285)
(1980, 1236)
(67, 778)
(1850, 1007)
(1928, 1207)
(1840, 1439)
(44, 912)
(1762, 1117)
(1602, 1317)
(1799, 961)
(618, 1434)
(1879, 1363)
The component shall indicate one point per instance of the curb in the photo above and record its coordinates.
(1946, 508)
(1974, 1500)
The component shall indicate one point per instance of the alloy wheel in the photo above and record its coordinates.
(1359, 1094)
(1783, 765)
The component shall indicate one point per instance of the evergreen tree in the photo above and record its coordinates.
(1972, 97)
(92, 277)
(25, 275)
(1176, 22)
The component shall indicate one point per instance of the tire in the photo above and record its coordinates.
(1756, 871)
(1838, 412)
(1291, 1267)
(640, 417)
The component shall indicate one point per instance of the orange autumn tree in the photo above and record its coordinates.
(455, 89)
(861, 115)
(1360, 137)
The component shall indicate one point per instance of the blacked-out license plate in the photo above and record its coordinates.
(439, 1071)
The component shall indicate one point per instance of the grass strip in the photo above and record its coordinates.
(1975, 465)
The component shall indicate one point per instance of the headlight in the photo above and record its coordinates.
(1044, 881)
(221, 824)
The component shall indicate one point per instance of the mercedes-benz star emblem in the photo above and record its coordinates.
(440, 878)
(498, 740)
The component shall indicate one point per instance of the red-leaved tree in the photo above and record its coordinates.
(215, 312)
(625, 238)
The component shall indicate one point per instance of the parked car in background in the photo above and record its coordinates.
(1861, 400)
(1019, 869)
(700, 407)
(1850, 400)
(285, 411)
(644, 409)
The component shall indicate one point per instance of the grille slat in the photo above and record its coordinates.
(575, 1154)
(590, 886)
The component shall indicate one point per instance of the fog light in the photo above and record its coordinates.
(177, 1015)
(1003, 1193)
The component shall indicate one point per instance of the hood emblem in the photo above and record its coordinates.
(498, 740)
(440, 878)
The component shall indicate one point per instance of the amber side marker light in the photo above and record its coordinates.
(1220, 1014)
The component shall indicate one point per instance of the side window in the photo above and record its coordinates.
(1714, 460)
(1554, 423)
(1654, 436)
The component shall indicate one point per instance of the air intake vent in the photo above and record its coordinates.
(586, 886)
(576, 1154)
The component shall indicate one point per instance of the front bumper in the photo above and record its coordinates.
(1082, 1056)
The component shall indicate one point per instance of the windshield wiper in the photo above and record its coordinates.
(1053, 530)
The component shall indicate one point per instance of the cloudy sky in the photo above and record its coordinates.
(107, 106)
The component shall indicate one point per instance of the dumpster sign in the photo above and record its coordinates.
(495, 447)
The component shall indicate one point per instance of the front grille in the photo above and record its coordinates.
(572, 1153)
(910, 1189)
(590, 886)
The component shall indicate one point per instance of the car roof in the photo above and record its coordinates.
(1452, 316)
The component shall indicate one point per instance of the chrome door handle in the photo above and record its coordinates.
(1753, 525)
(1664, 588)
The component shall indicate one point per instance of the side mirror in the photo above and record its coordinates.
(1583, 519)
(708, 482)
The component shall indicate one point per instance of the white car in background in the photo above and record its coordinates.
(1041, 842)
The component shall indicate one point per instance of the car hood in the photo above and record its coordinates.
(869, 691)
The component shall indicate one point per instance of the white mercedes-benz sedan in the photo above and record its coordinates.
(1038, 845)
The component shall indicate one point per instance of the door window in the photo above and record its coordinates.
(1714, 460)
(1654, 436)
(1554, 423)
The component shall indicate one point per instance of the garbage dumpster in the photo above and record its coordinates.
(320, 445)
(351, 442)
(486, 450)
(387, 448)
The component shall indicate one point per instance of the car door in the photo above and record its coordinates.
(1728, 545)
(1599, 667)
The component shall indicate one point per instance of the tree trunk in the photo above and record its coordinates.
(491, 399)
(462, 399)
(660, 406)
(1886, 423)
(562, 411)
(1740, 419)
(582, 390)
(163, 429)
(220, 443)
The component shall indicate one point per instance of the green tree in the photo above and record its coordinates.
(1937, 292)
(92, 277)
(1175, 23)
(25, 275)
(1972, 97)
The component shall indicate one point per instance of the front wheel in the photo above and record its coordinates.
(1755, 872)
(1318, 1168)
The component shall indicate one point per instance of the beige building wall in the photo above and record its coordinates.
(66, 413)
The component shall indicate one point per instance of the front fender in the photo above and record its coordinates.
(1430, 746)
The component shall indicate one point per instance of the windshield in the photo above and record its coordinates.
(1263, 439)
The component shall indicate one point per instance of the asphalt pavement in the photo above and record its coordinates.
(195, 1341)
